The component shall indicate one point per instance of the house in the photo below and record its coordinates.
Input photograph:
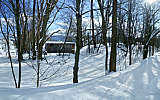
(59, 47)
(59, 43)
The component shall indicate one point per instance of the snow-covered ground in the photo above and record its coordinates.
(140, 81)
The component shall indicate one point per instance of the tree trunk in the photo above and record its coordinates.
(89, 49)
(33, 32)
(104, 32)
(81, 42)
(152, 49)
(145, 51)
(92, 18)
(129, 28)
(78, 17)
(17, 15)
(8, 48)
(24, 41)
(113, 39)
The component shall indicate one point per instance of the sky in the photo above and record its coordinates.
(55, 26)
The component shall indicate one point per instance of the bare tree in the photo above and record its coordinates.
(105, 14)
(44, 11)
(92, 19)
(113, 39)
(149, 29)
(7, 39)
(79, 19)
(33, 32)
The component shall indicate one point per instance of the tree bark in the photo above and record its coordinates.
(33, 32)
(17, 15)
(104, 32)
(145, 51)
(92, 18)
(113, 39)
(78, 18)
(129, 28)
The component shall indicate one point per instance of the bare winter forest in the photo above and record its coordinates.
(79, 49)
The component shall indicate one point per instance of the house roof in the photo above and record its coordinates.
(59, 42)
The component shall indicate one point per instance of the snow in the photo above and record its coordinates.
(139, 81)
(58, 42)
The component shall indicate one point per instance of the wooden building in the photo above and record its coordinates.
(59, 47)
